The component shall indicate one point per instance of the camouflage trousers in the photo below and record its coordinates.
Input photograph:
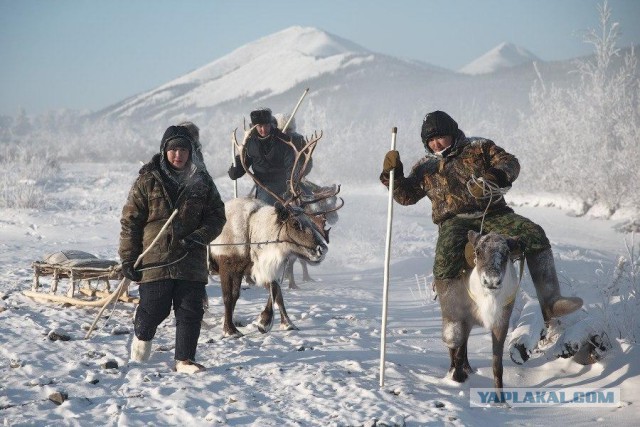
(452, 237)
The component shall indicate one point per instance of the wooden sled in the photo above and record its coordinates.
(88, 279)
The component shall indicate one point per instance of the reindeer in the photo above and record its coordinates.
(258, 239)
(484, 297)
(321, 204)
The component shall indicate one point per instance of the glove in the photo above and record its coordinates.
(190, 243)
(392, 163)
(236, 171)
(129, 271)
(497, 176)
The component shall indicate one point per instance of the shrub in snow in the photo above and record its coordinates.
(582, 140)
(24, 172)
(620, 306)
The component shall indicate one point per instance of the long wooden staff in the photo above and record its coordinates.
(124, 283)
(387, 255)
(233, 162)
(295, 110)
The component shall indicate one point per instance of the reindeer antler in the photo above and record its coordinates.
(241, 149)
(298, 172)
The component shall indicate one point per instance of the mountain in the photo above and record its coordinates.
(356, 96)
(257, 71)
(505, 55)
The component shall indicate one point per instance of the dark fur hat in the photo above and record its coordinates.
(261, 117)
(438, 123)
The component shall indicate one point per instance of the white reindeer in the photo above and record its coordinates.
(258, 240)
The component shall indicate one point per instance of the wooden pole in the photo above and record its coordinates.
(387, 256)
(233, 162)
(124, 283)
(284, 128)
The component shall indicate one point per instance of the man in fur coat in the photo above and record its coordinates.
(174, 272)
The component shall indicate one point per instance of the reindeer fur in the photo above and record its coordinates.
(483, 297)
(252, 221)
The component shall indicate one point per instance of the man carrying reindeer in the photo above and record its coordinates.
(463, 177)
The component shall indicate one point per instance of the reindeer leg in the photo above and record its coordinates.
(456, 334)
(465, 365)
(230, 294)
(289, 274)
(498, 336)
(305, 272)
(285, 323)
(458, 373)
(265, 321)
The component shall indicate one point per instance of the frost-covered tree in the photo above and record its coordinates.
(583, 138)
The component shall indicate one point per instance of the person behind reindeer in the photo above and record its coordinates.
(268, 155)
(194, 132)
(174, 272)
(448, 176)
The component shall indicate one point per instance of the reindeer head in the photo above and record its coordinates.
(492, 253)
(299, 231)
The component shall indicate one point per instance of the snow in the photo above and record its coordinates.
(504, 55)
(324, 374)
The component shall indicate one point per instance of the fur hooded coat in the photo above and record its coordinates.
(150, 203)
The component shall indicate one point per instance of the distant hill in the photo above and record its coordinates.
(505, 55)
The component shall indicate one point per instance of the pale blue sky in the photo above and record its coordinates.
(88, 54)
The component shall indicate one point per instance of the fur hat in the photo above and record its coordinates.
(438, 123)
(261, 117)
(174, 137)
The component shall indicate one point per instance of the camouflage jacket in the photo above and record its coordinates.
(200, 216)
(444, 179)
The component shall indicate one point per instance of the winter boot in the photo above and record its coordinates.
(188, 367)
(140, 350)
(543, 273)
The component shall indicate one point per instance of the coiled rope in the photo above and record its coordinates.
(489, 191)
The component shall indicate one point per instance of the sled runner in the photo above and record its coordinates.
(88, 279)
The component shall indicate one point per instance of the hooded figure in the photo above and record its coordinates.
(174, 272)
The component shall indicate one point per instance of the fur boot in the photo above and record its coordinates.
(140, 350)
(189, 367)
(543, 273)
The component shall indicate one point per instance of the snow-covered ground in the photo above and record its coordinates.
(324, 374)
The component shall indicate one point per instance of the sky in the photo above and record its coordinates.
(87, 54)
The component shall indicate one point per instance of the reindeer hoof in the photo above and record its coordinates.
(459, 375)
(293, 286)
(264, 328)
(288, 327)
(232, 334)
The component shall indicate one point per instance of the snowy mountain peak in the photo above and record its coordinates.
(268, 66)
(286, 45)
(504, 55)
